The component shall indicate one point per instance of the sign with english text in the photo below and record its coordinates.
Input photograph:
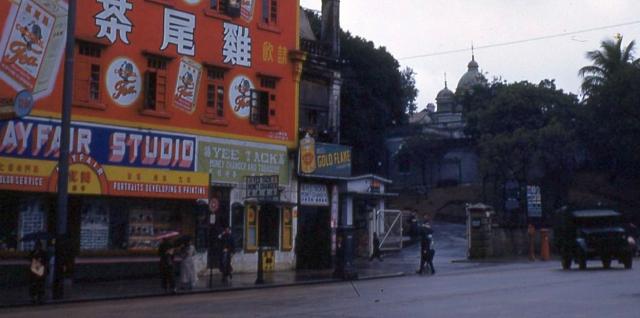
(229, 161)
(39, 138)
(327, 160)
(103, 160)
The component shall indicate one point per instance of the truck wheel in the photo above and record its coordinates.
(606, 262)
(566, 262)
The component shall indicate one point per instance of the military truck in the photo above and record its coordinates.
(586, 234)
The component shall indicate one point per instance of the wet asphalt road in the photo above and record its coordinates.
(514, 289)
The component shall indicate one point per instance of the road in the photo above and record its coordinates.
(515, 289)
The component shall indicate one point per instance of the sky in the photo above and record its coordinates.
(411, 28)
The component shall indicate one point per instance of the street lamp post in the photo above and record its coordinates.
(63, 160)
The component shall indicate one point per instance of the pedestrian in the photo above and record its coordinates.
(167, 267)
(427, 251)
(188, 275)
(37, 273)
(226, 240)
(376, 248)
(51, 256)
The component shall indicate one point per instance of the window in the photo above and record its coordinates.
(87, 75)
(259, 113)
(214, 86)
(155, 86)
(221, 8)
(268, 82)
(215, 92)
(270, 12)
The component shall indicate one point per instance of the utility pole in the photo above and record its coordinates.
(63, 161)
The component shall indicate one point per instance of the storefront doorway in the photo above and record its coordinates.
(269, 225)
(313, 243)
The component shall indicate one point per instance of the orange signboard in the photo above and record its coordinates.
(213, 68)
(152, 80)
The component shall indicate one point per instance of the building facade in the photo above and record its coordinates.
(177, 104)
(442, 155)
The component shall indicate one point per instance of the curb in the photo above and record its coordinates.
(203, 291)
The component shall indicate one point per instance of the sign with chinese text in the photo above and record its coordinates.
(186, 93)
(32, 45)
(312, 194)
(103, 159)
(262, 187)
(534, 202)
(229, 161)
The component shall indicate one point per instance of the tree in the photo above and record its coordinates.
(524, 132)
(375, 96)
(409, 90)
(607, 63)
(610, 120)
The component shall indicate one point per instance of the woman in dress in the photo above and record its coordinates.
(188, 276)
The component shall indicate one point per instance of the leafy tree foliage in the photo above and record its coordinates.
(610, 118)
(375, 96)
(524, 132)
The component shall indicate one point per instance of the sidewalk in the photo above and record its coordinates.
(121, 289)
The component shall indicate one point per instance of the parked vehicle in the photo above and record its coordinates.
(586, 234)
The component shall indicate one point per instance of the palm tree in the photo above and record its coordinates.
(608, 61)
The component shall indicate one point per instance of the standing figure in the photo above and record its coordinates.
(427, 251)
(188, 275)
(225, 257)
(37, 273)
(376, 248)
(167, 268)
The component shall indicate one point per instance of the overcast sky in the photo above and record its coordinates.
(410, 28)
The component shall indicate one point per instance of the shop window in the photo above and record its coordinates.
(269, 225)
(259, 112)
(287, 229)
(155, 87)
(270, 12)
(251, 229)
(94, 225)
(214, 106)
(87, 76)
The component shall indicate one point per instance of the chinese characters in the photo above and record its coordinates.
(178, 29)
(237, 45)
(113, 21)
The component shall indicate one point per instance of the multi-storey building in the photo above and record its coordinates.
(175, 104)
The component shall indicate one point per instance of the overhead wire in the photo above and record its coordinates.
(532, 39)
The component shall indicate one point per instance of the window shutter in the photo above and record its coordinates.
(254, 113)
(161, 90)
(81, 80)
(149, 87)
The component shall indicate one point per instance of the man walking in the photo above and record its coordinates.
(427, 250)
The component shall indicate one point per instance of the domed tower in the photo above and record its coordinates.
(446, 100)
(472, 77)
